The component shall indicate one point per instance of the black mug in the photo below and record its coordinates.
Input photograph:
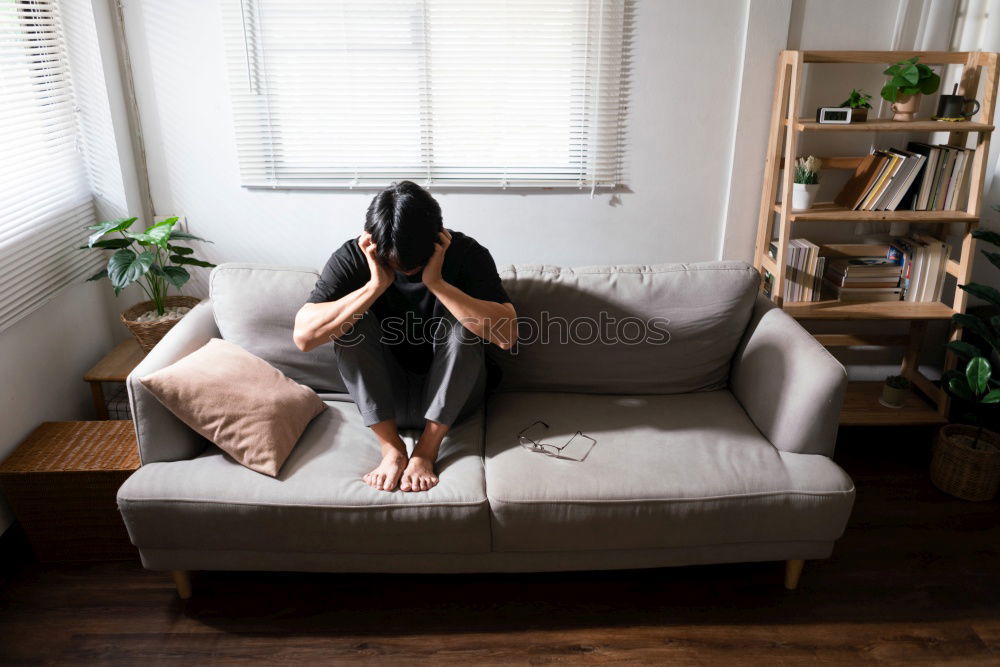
(954, 106)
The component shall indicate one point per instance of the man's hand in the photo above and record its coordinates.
(381, 276)
(431, 275)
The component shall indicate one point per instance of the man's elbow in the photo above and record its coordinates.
(302, 340)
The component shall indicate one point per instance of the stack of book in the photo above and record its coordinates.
(803, 276)
(923, 261)
(922, 177)
(872, 278)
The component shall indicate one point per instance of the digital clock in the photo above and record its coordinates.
(834, 115)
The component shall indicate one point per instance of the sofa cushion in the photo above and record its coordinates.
(667, 471)
(255, 308)
(670, 328)
(318, 503)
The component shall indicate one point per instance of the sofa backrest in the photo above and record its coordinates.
(668, 328)
(255, 306)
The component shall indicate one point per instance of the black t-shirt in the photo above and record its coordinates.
(407, 303)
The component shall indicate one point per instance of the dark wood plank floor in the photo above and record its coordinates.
(916, 578)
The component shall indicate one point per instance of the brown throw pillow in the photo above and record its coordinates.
(243, 404)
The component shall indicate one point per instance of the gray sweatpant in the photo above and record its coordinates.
(452, 388)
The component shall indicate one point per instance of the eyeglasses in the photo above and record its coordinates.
(555, 451)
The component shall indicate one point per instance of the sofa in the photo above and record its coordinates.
(713, 413)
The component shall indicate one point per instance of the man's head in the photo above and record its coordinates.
(404, 221)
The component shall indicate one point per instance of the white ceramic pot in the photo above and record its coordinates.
(803, 195)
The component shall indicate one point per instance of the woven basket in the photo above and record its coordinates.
(966, 473)
(149, 333)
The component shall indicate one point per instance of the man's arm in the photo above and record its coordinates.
(319, 323)
(491, 321)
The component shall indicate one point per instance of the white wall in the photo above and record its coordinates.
(679, 131)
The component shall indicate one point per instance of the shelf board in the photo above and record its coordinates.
(889, 125)
(861, 408)
(830, 212)
(867, 310)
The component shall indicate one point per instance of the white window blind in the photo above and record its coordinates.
(45, 196)
(491, 93)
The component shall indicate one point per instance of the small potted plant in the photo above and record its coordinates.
(894, 391)
(153, 260)
(858, 101)
(806, 182)
(909, 81)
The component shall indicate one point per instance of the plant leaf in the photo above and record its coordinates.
(180, 250)
(159, 233)
(977, 374)
(910, 74)
(890, 92)
(984, 292)
(177, 259)
(176, 275)
(959, 387)
(184, 236)
(994, 258)
(102, 228)
(112, 244)
(125, 267)
(992, 397)
(987, 235)
(103, 273)
(930, 84)
(972, 323)
(964, 350)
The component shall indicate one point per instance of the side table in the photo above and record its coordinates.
(114, 367)
(62, 484)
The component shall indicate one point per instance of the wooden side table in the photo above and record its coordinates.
(114, 367)
(62, 484)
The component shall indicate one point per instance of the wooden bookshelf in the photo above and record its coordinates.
(776, 219)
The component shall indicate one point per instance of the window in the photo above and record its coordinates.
(45, 194)
(491, 93)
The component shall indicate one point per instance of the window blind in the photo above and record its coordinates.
(492, 93)
(45, 197)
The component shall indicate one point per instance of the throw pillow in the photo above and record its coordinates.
(245, 406)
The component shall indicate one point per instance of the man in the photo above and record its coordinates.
(409, 305)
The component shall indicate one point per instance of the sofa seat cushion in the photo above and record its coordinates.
(317, 503)
(667, 471)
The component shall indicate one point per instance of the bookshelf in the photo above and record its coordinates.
(777, 220)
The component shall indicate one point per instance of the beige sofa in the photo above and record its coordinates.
(714, 416)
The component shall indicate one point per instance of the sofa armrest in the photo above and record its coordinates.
(788, 383)
(161, 435)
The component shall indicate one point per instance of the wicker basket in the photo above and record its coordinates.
(149, 333)
(966, 473)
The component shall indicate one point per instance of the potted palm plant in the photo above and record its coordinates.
(859, 102)
(153, 260)
(966, 460)
(910, 79)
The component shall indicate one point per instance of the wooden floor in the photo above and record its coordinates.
(916, 578)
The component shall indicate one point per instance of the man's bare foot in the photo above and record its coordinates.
(419, 475)
(387, 474)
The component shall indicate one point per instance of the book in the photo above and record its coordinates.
(859, 185)
(914, 164)
(903, 165)
(945, 165)
(929, 173)
(864, 266)
(865, 293)
(909, 200)
(890, 168)
(956, 180)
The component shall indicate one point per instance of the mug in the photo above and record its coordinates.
(954, 106)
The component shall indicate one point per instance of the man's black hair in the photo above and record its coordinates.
(404, 221)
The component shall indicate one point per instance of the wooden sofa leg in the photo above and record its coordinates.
(182, 580)
(793, 570)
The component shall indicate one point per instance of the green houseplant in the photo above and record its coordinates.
(859, 101)
(909, 80)
(806, 182)
(155, 261)
(966, 460)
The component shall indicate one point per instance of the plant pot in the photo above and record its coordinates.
(964, 472)
(149, 334)
(905, 107)
(803, 195)
(859, 115)
(893, 397)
